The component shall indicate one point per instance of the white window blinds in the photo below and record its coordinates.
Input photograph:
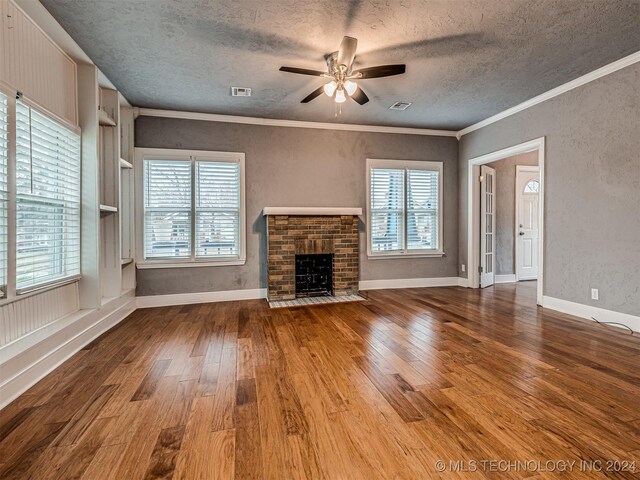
(47, 200)
(4, 196)
(422, 209)
(167, 209)
(192, 209)
(217, 209)
(404, 207)
(387, 209)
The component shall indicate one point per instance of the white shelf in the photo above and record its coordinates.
(105, 120)
(311, 211)
(126, 261)
(125, 164)
(106, 209)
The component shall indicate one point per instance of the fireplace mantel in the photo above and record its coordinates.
(311, 211)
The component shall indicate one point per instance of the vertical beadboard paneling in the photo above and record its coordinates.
(33, 64)
(23, 316)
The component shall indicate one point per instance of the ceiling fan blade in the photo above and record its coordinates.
(303, 71)
(315, 94)
(360, 97)
(347, 51)
(379, 71)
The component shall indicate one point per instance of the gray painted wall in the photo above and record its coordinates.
(592, 187)
(506, 209)
(300, 167)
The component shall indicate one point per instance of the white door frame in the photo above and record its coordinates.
(518, 199)
(473, 208)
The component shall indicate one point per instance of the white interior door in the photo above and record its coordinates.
(487, 226)
(527, 222)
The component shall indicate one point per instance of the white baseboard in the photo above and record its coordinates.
(509, 278)
(20, 370)
(589, 312)
(200, 297)
(463, 282)
(412, 283)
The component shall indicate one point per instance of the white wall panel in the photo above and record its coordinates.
(20, 317)
(32, 63)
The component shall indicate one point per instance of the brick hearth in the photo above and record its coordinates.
(288, 235)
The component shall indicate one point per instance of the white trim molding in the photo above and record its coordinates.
(159, 264)
(412, 283)
(508, 278)
(314, 211)
(32, 357)
(274, 122)
(193, 156)
(200, 297)
(590, 312)
(473, 210)
(405, 166)
(554, 92)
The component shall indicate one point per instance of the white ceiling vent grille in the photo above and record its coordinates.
(400, 106)
(240, 92)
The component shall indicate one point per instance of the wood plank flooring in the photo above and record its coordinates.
(380, 389)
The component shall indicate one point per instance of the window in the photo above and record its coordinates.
(193, 207)
(47, 200)
(405, 208)
(4, 193)
(532, 186)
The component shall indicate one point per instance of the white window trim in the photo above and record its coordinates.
(406, 165)
(190, 155)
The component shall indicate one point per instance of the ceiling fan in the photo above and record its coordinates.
(342, 78)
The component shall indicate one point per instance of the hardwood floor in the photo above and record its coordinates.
(380, 389)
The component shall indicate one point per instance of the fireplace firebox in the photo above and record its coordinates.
(314, 275)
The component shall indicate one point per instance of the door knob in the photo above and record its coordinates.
(521, 233)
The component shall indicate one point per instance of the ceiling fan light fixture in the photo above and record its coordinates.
(350, 87)
(340, 75)
(330, 88)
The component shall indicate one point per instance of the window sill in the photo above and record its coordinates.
(395, 256)
(147, 265)
(38, 289)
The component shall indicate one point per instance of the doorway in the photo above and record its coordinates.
(481, 239)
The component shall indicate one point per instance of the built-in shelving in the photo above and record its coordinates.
(106, 209)
(107, 125)
(126, 214)
(104, 120)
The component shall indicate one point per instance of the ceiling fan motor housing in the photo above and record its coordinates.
(340, 73)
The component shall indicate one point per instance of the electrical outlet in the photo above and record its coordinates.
(464, 267)
(595, 295)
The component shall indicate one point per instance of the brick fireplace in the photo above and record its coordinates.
(313, 248)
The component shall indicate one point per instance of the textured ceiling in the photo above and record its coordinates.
(466, 59)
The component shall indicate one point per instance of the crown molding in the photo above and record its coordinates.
(578, 82)
(273, 122)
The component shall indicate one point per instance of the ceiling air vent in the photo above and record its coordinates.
(400, 106)
(240, 92)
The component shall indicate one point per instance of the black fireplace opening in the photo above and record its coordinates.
(314, 275)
